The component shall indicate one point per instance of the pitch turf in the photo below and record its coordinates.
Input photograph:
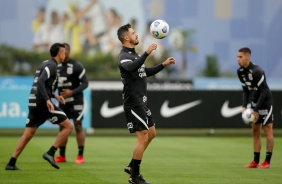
(168, 160)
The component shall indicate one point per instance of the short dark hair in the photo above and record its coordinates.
(66, 45)
(55, 48)
(245, 50)
(122, 31)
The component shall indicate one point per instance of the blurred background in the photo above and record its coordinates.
(205, 36)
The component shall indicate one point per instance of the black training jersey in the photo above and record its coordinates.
(134, 76)
(255, 89)
(43, 84)
(71, 75)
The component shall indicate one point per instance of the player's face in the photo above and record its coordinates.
(133, 37)
(243, 59)
(67, 53)
(62, 54)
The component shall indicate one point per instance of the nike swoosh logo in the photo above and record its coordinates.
(228, 112)
(172, 111)
(108, 112)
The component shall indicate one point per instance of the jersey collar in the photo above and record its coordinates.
(129, 49)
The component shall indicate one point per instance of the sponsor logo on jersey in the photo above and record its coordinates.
(69, 70)
(250, 76)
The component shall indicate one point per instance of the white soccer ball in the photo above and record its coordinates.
(247, 117)
(159, 29)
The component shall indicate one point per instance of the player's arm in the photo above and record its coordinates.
(131, 66)
(44, 76)
(83, 82)
(245, 93)
(261, 84)
(153, 70)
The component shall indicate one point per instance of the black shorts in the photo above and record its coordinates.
(37, 116)
(138, 118)
(265, 115)
(73, 111)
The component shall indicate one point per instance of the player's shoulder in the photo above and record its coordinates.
(240, 70)
(257, 69)
(51, 63)
(76, 63)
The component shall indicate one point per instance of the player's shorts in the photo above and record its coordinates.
(73, 111)
(37, 116)
(265, 115)
(138, 118)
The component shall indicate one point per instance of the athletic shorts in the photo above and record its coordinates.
(265, 115)
(73, 111)
(37, 116)
(138, 118)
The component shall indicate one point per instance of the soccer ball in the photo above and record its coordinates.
(159, 29)
(247, 117)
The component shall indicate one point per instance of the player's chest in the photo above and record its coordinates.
(248, 78)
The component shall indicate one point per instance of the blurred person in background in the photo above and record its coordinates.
(74, 28)
(72, 81)
(109, 41)
(39, 20)
(49, 33)
(41, 108)
(90, 41)
(257, 96)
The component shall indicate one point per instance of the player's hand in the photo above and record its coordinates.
(66, 93)
(256, 115)
(243, 109)
(50, 106)
(151, 48)
(60, 99)
(168, 61)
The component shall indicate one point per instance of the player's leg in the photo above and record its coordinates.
(152, 135)
(256, 145)
(23, 141)
(80, 138)
(142, 138)
(62, 154)
(58, 117)
(268, 131)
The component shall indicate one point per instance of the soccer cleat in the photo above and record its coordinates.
(253, 164)
(264, 165)
(137, 180)
(51, 160)
(60, 158)
(11, 168)
(79, 160)
(127, 169)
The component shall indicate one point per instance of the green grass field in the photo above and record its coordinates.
(168, 160)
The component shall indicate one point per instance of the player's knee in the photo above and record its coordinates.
(152, 135)
(78, 126)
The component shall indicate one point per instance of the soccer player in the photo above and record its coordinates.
(134, 78)
(256, 95)
(71, 83)
(41, 107)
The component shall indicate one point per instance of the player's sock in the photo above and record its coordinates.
(256, 157)
(12, 161)
(63, 151)
(130, 163)
(80, 150)
(135, 167)
(268, 157)
(52, 151)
